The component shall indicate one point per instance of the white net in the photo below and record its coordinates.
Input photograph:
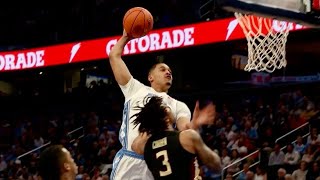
(266, 44)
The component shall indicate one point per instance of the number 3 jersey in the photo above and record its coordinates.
(167, 159)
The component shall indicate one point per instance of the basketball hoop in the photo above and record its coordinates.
(266, 44)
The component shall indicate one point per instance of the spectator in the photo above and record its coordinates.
(225, 158)
(250, 175)
(229, 177)
(314, 136)
(242, 142)
(38, 140)
(301, 172)
(316, 155)
(281, 174)
(79, 176)
(288, 177)
(291, 157)
(299, 146)
(314, 171)
(267, 139)
(277, 156)
(308, 155)
(235, 161)
(250, 131)
(229, 133)
(3, 164)
(243, 175)
(260, 173)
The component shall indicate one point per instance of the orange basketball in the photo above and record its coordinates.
(137, 22)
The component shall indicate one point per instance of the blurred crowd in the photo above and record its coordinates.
(92, 141)
(88, 126)
(253, 128)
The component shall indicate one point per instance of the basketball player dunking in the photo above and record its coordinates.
(128, 164)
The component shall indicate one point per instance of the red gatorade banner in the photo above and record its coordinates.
(161, 39)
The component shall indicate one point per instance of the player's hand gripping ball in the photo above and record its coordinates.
(137, 22)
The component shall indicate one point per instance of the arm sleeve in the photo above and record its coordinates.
(183, 111)
(131, 87)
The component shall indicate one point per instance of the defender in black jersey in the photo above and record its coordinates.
(167, 159)
(171, 154)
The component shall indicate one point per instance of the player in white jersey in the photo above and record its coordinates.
(128, 165)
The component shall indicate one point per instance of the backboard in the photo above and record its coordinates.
(304, 12)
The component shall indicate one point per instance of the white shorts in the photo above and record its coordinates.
(128, 165)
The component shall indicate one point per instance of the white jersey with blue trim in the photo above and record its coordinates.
(135, 93)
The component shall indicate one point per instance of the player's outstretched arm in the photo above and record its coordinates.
(119, 68)
(203, 116)
(192, 142)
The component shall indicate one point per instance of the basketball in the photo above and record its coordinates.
(137, 22)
